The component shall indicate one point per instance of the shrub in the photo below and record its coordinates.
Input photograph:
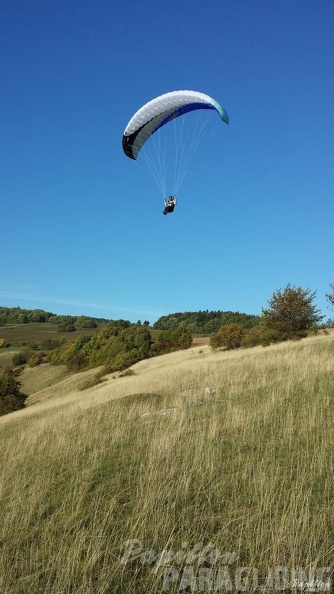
(66, 327)
(35, 360)
(259, 335)
(127, 372)
(20, 358)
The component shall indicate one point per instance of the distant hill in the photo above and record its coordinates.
(205, 322)
(17, 315)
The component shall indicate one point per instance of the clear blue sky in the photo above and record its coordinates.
(81, 225)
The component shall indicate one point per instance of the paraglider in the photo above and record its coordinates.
(153, 117)
(169, 205)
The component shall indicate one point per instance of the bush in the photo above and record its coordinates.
(66, 327)
(259, 335)
(127, 373)
(35, 360)
(20, 358)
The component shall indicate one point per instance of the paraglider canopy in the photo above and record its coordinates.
(161, 110)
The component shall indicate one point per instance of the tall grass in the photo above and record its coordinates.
(245, 470)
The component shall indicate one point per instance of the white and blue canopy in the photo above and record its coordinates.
(161, 110)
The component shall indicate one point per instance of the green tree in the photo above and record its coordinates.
(11, 397)
(84, 322)
(173, 340)
(22, 319)
(229, 337)
(37, 315)
(291, 313)
(330, 296)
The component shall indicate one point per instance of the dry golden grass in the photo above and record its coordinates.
(35, 379)
(155, 456)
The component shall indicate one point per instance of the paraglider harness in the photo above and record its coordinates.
(169, 205)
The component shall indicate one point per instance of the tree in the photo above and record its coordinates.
(173, 340)
(11, 397)
(84, 322)
(229, 336)
(330, 296)
(291, 313)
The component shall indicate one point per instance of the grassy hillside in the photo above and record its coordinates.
(244, 467)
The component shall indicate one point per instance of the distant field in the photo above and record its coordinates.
(37, 332)
(31, 334)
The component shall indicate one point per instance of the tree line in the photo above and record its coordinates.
(200, 322)
(18, 315)
(205, 322)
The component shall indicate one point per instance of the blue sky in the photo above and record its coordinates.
(82, 230)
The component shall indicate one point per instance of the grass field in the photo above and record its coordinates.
(210, 460)
(36, 333)
(25, 337)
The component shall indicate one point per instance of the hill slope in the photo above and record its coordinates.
(158, 457)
